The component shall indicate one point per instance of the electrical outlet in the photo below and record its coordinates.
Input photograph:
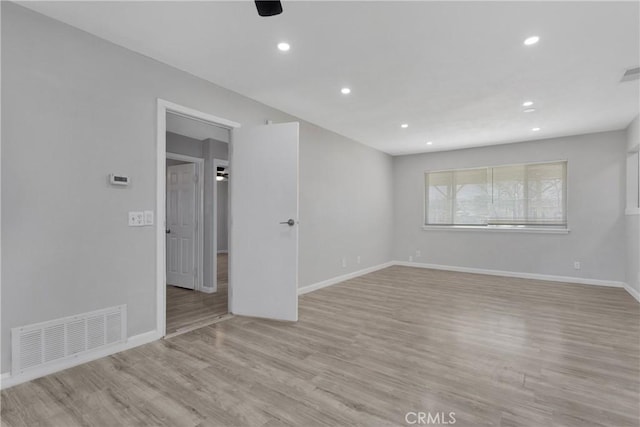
(136, 219)
(358, 260)
(344, 262)
(576, 265)
(410, 258)
(148, 217)
(418, 253)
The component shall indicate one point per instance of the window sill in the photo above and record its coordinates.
(539, 230)
(632, 211)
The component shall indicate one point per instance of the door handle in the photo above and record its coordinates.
(290, 222)
(167, 231)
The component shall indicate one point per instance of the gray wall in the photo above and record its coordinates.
(66, 245)
(223, 208)
(633, 221)
(345, 205)
(595, 209)
(180, 144)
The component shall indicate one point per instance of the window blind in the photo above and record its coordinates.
(515, 195)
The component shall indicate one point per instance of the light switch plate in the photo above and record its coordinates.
(136, 219)
(148, 217)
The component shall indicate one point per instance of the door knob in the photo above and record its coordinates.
(290, 222)
(167, 231)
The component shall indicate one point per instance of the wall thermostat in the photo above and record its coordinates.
(118, 179)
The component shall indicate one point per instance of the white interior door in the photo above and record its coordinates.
(263, 251)
(181, 225)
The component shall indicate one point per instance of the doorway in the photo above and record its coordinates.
(263, 212)
(184, 214)
(196, 242)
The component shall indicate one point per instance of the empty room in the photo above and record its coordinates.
(329, 213)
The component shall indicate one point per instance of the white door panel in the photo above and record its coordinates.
(263, 253)
(181, 225)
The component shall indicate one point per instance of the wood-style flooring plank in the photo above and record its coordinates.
(495, 351)
(187, 308)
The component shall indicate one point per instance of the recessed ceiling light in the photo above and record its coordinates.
(404, 125)
(429, 143)
(531, 40)
(527, 103)
(284, 46)
(535, 129)
(529, 110)
(345, 91)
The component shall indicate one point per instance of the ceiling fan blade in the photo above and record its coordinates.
(268, 8)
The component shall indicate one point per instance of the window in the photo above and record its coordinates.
(527, 195)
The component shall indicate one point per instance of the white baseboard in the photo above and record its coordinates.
(632, 291)
(208, 290)
(338, 279)
(7, 380)
(546, 277)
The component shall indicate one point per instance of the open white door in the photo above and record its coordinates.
(263, 251)
(181, 225)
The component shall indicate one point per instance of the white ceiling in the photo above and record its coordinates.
(456, 72)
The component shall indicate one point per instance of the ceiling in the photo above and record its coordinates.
(456, 72)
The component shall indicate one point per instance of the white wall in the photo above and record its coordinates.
(75, 108)
(633, 219)
(596, 196)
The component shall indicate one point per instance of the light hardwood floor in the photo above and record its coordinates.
(186, 308)
(496, 351)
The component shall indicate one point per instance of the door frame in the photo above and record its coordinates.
(199, 279)
(164, 107)
(214, 254)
